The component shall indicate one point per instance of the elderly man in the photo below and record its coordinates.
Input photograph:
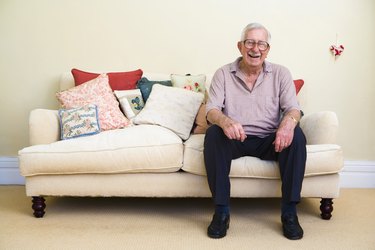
(254, 111)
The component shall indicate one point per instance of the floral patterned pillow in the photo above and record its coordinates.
(77, 122)
(98, 92)
(195, 83)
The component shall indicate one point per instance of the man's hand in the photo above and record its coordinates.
(232, 129)
(285, 132)
(284, 137)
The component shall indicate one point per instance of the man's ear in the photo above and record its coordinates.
(239, 46)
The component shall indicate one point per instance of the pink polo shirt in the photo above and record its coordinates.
(259, 110)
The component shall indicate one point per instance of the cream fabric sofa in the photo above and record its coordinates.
(152, 161)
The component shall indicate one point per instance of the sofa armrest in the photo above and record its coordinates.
(320, 127)
(44, 126)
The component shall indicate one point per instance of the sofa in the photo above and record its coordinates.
(150, 160)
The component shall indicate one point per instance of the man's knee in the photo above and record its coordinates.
(299, 136)
(214, 129)
(213, 133)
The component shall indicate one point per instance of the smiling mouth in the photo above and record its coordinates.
(254, 56)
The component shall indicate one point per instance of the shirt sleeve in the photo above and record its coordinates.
(216, 94)
(288, 96)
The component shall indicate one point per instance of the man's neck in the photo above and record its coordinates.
(251, 71)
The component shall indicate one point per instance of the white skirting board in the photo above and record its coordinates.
(356, 174)
(10, 172)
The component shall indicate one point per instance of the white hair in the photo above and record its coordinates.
(253, 26)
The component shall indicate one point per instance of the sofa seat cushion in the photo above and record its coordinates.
(321, 160)
(141, 148)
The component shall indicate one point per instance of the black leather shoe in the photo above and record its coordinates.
(219, 225)
(291, 228)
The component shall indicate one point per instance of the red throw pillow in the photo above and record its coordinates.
(298, 84)
(117, 80)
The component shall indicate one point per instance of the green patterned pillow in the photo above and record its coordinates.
(145, 86)
(77, 122)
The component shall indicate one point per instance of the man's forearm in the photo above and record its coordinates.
(217, 117)
(291, 117)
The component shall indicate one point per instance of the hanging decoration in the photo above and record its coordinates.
(337, 49)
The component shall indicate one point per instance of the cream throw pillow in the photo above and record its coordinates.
(172, 108)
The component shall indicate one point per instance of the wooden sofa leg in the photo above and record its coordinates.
(38, 206)
(326, 208)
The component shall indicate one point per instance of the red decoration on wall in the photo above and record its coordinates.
(337, 50)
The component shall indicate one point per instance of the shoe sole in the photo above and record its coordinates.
(218, 236)
(294, 237)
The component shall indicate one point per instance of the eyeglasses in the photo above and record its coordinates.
(249, 44)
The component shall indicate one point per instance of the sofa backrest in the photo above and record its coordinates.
(67, 80)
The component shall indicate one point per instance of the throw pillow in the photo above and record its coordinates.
(117, 80)
(172, 108)
(298, 84)
(190, 82)
(200, 124)
(98, 92)
(145, 86)
(77, 122)
(131, 101)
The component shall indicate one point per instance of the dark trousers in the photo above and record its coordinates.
(219, 151)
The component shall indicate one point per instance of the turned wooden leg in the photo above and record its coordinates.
(326, 208)
(38, 206)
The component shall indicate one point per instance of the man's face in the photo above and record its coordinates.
(252, 50)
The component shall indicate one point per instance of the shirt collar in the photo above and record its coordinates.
(235, 67)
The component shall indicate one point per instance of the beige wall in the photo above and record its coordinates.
(40, 39)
